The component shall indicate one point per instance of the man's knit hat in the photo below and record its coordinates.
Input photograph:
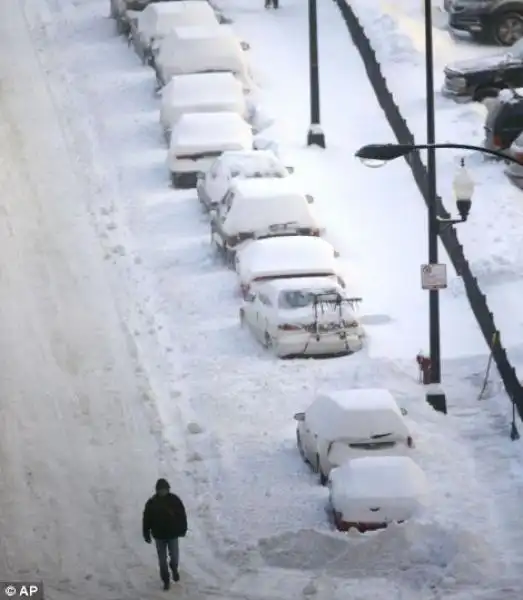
(162, 484)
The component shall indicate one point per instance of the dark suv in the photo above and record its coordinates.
(498, 21)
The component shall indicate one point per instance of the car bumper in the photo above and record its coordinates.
(306, 344)
(465, 21)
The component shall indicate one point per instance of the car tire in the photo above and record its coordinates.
(485, 92)
(513, 22)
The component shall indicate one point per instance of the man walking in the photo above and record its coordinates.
(165, 518)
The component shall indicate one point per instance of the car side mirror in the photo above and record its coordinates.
(290, 169)
(299, 416)
(245, 46)
(404, 411)
(310, 199)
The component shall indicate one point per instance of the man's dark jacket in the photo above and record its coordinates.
(164, 517)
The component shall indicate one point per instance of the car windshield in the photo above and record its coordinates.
(290, 299)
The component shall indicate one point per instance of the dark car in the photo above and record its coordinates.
(483, 77)
(504, 121)
(498, 21)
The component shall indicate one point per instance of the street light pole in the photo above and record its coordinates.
(315, 135)
(435, 396)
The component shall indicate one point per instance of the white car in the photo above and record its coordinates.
(286, 256)
(198, 139)
(213, 185)
(261, 208)
(346, 424)
(201, 50)
(370, 493)
(158, 19)
(201, 93)
(309, 316)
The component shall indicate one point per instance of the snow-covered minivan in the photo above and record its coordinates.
(198, 138)
(201, 50)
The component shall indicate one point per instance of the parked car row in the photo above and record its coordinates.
(360, 444)
(264, 226)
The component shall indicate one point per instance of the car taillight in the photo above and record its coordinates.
(289, 327)
(497, 142)
(410, 442)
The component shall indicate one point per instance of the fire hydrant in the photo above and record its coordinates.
(424, 365)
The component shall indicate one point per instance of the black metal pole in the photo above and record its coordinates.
(435, 396)
(315, 135)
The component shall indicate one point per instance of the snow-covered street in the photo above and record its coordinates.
(123, 358)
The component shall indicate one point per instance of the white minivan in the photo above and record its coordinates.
(345, 424)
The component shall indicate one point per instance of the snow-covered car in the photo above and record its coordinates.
(280, 257)
(214, 184)
(125, 11)
(342, 425)
(158, 19)
(513, 170)
(198, 139)
(201, 50)
(201, 93)
(372, 492)
(261, 208)
(302, 316)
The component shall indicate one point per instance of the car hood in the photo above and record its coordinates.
(472, 65)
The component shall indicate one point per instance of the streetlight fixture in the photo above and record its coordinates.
(377, 155)
(315, 135)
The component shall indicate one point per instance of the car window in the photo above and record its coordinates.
(265, 299)
(290, 299)
(372, 445)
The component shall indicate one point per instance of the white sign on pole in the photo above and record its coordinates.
(434, 277)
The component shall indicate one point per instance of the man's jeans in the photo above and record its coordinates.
(162, 546)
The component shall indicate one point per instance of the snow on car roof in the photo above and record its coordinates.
(203, 88)
(261, 203)
(303, 283)
(160, 18)
(202, 49)
(201, 92)
(288, 256)
(380, 477)
(356, 414)
(198, 132)
(250, 162)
